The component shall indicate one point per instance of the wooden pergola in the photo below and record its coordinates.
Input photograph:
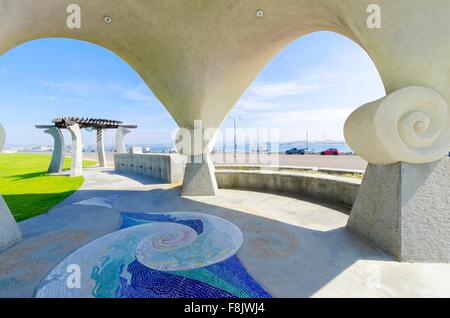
(97, 123)
(74, 125)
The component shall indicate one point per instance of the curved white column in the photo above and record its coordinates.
(2, 139)
(120, 139)
(9, 230)
(59, 149)
(101, 148)
(77, 150)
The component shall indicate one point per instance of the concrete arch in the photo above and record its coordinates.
(199, 56)
(195, 74)
(362, 50)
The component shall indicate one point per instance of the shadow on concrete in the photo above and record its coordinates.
(144, 180)
(288, 260)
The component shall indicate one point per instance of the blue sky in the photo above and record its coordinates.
(314, 84)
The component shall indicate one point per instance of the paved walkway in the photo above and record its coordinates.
(292, 246)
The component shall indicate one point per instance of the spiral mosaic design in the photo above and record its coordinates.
(166, 237)
(158, 256)
(173, 247)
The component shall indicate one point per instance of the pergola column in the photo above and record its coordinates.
(120, 139)
(77, 150)
(57, 162)
(101, 148)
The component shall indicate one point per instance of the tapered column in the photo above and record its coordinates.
(199, 177)
(9, 230)
(57, 162)
(101, 148)
(77, 150)
(196, 143)
(120, 139)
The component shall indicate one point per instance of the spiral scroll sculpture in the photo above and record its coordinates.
(409, 125)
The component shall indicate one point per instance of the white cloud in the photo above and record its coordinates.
(71, 87)
(295, 117)
(293, 124)
(137, 93)
(274, 90)
(282, 89)
(250, 105)
(91, 88)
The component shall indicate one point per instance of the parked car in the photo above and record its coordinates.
(330, 152)
(295, 151)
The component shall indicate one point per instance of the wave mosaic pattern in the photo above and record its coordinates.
(170, 255)
(106, 202)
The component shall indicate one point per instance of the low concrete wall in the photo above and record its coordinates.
(293, 169)
(292, 180)
(322, 187)
(167, 167)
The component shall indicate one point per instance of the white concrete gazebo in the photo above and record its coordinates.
(199, 56)
(74, 126)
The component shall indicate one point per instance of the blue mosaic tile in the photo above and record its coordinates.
(133, 219)
(198, 249)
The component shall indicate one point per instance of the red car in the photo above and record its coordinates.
(330, 152)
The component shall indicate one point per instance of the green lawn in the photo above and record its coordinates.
(28, 189)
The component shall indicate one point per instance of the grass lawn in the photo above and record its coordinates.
(28, 189)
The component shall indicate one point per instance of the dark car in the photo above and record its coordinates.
(330, 152)
(295, 151)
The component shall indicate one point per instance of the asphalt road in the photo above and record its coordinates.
(336, 162)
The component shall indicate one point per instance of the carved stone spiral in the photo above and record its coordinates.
(409, 125)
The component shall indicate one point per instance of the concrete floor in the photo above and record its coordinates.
(294, 247)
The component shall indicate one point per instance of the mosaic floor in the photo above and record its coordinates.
(181, 254)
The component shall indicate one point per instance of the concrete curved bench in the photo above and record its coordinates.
(335, 189)
(330, 185)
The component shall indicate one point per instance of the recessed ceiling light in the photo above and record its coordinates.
(259, 13)
(107, 19)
